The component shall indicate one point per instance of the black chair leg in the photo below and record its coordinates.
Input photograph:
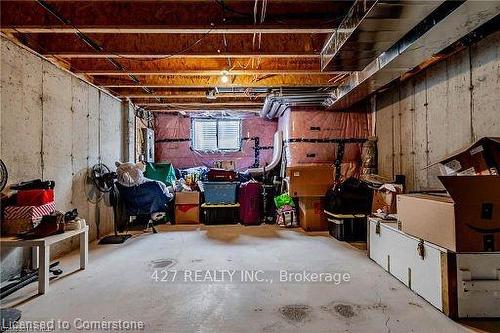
(151, 224)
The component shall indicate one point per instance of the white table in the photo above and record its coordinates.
(40, 249)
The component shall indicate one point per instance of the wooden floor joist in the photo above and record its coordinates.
(191, 104)
(175, 51)
(161, 81)
(111, 16)
(189, 72)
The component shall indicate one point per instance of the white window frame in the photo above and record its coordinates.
(217, 121)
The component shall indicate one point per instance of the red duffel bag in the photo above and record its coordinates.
(34, 197)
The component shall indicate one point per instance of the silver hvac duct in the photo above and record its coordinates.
(433, 35)
(370, 28)
(276, 104)
(282, 110)
(265, 108)
(273, 109)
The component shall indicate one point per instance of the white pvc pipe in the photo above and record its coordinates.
(277, 149)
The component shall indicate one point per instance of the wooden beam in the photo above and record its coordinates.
(114, 17)
(204, 109)
(191, 104)
(215, 81)
(83, 65)
(192, 95)
(165, 30)
(255, 55)
(161, 45)
(207, 72)
(201, 100)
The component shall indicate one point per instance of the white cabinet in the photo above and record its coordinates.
(459, 284)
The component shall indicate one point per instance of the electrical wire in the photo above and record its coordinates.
(275, 21)
(96, 46)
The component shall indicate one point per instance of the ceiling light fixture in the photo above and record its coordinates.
(224, 78)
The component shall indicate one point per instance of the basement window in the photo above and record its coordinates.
(215, 135)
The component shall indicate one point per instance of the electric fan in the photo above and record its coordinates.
(103, 180)
(3, 175)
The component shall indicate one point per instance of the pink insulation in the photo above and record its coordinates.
(173, 144)
(310, 137)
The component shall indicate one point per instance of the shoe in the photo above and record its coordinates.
(71, 215)
(75, 224)
(49, 225)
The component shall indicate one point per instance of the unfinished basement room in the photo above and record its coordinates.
(250, 166)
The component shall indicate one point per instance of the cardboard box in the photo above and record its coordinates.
(24, 218)
(469, 221)
(311, 214)
(310, 180)
(225, 164)
(187, 197)
(480, 158)
(187, 214)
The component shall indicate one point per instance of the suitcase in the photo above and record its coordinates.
(220, 175)
(463, 285)
(250, 198)
(34, 197)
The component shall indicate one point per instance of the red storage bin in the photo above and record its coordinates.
(34, 197)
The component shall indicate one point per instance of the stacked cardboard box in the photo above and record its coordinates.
(29, 208)
(187, 207)
(309, 184)
(447, 248)
(469, 219)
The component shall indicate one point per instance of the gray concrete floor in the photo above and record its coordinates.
(118, 285)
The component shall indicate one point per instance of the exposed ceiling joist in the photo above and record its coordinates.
(86, 65)
(103, 55)
(184, 44)
(205, 109)
(194, 96)
(166, 30)
(225, 104)
(109, 16)
(170, 52)
(215, 81)
(208, 72)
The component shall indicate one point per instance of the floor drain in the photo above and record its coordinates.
(162, 263)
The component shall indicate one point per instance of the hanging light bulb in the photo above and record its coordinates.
(224, 78)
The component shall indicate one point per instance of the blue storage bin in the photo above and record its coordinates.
(220, 192)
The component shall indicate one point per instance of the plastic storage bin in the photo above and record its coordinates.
(220, 192)
(221, 214)
(348, 229)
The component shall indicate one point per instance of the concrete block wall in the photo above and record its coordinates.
(449, 105)
(55, 126)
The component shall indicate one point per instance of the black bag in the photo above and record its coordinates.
(36, 184)
(349, 197)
